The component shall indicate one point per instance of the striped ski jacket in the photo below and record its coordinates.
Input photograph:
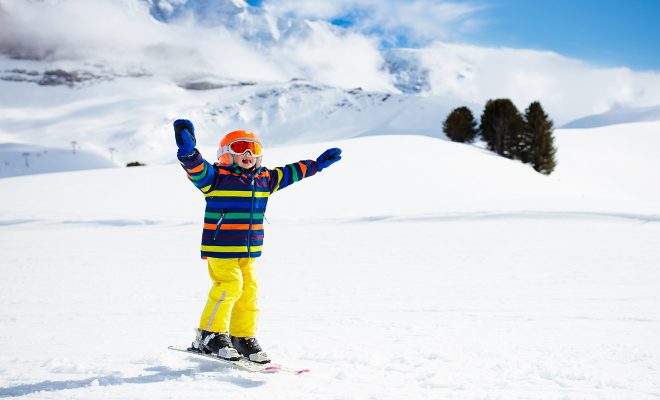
(236, 202)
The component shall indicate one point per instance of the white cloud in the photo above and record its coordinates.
(119, 33)
(122, 33)
(419, 21)
(567, 88)
(71, 28)
(341, 59)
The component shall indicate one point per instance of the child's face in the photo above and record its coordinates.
(245, 160)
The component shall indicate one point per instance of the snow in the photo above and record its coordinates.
(137, 75)
(134, 115)
(616, 117)
(23, 159)
(414, 268)
(441, 273)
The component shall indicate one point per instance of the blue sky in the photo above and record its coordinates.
(606, 33)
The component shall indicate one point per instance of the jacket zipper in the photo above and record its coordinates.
(217, 226)
(251, 217)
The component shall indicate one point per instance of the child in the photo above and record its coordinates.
(236, 189)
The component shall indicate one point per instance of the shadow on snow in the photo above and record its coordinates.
(161, 374)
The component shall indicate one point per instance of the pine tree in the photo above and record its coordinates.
(502, 128)
(539, 145)
(460, 125)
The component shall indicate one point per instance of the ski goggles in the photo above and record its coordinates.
(238, 147)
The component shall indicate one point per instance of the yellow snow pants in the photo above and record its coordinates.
(232, 302)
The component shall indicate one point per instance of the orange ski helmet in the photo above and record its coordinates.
(225, 149)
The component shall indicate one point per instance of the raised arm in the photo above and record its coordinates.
(199, 171)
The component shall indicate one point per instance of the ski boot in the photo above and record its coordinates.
(249, 347)
(215, 343)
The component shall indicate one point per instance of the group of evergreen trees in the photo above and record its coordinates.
(527, 137)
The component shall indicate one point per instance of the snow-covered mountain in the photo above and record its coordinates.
(133, 115)
(120, 71)
(254, 24)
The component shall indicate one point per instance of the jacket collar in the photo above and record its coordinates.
(236, 170)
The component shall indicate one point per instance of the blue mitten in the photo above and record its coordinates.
(328, 158)
(180, 125)
(185, 137)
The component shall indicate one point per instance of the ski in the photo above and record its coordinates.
(242, 364)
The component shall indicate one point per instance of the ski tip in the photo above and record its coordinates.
(279, 368)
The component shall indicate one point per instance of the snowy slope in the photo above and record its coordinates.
(20, 159)
(614, 160)
(444, 273)
(616, 116)
(444, 177)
